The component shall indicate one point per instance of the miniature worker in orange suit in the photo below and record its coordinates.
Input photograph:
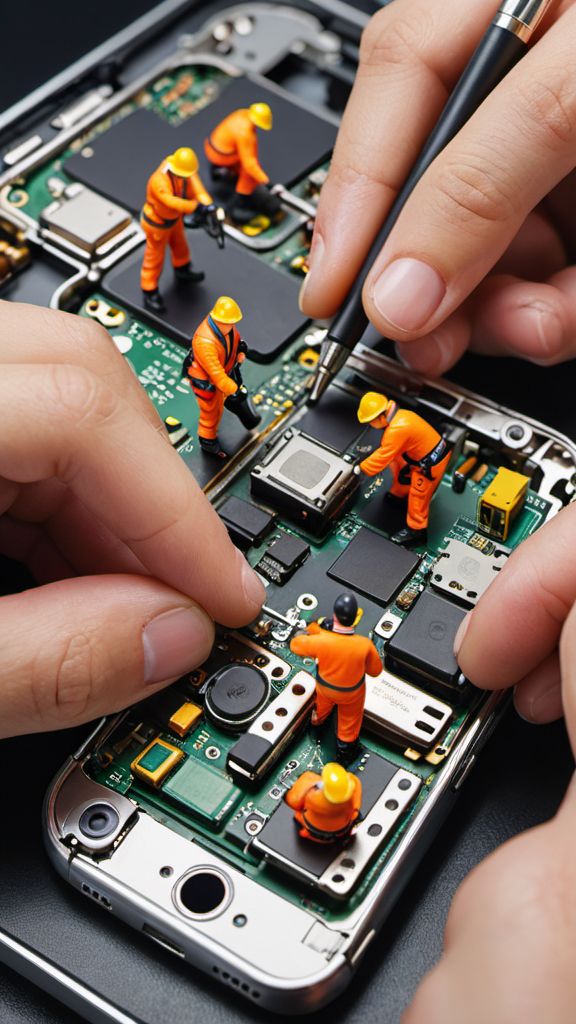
(327, 805)
(342, 658)
(173, 191)
(417, 455)
(232, 149)
(212, 368)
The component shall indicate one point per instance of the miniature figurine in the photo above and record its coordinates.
(342, 658)
(327, 805)
(173, 191)
(417, 455)
(232, 150)
(212, 368)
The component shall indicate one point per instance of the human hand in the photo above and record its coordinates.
(511, 931)
(481, 254)
(515, 634)
(136, 564)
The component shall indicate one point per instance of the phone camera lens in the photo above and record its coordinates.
(99, 821)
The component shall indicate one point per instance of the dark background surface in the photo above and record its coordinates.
(53, 36)
(519, 782)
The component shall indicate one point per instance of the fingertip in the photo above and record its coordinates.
(403, 297)
(540, 708)
(175, 642)
(437, 352)
(252, 587)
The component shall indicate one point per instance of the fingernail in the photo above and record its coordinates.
(172, 643)
(315, 257)
(407, 293)
(461, 633)
(254, 590)
(546, 707)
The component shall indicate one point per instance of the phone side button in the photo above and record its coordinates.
(464, 772)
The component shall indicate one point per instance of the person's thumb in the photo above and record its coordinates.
(75, 650)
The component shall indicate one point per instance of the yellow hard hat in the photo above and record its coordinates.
(371, 405)
(226, 310)
(183, 162)
(261, 115)
(337, 783)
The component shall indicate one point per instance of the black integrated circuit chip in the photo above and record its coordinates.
(246, 523)
(257, 287)
(280, 834)
(282, 558)
(125, 156)
(335, 422)
(423, 646)
(374, 566)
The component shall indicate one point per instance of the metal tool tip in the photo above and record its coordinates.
(319, 385)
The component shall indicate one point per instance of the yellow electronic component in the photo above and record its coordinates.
(155, 762)
(183, 720)
(308, 358)
(501, 502)
(256, 226)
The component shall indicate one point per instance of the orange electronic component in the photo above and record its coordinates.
(156, 761)
(185, 718)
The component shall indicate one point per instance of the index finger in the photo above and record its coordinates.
(123, 472)
(518, 621)
(32, 334)
(411, 56)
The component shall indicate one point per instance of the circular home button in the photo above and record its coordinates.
(203, 893)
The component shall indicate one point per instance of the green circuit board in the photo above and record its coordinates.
(224, 804)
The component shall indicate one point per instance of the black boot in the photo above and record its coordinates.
(346, 752)
(153, 301)
(186, 275)
(261, 202)
(212, 447)
(408, 538)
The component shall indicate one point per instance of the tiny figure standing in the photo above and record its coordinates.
(174, 190)
(418, 457)
(212, 368)
(343, 658)
(232, 149)
(327, 805)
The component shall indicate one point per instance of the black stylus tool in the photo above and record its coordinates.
(504, 43)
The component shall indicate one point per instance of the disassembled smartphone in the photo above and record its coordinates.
(172, 816)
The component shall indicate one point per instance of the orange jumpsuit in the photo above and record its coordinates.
(320, 819)
(342, 659)
(215, 354)
(234, 144)
(406, 440)
(168, 198)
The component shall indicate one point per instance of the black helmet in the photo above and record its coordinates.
(346, 609)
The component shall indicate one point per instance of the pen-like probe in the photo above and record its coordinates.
(503, 44)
